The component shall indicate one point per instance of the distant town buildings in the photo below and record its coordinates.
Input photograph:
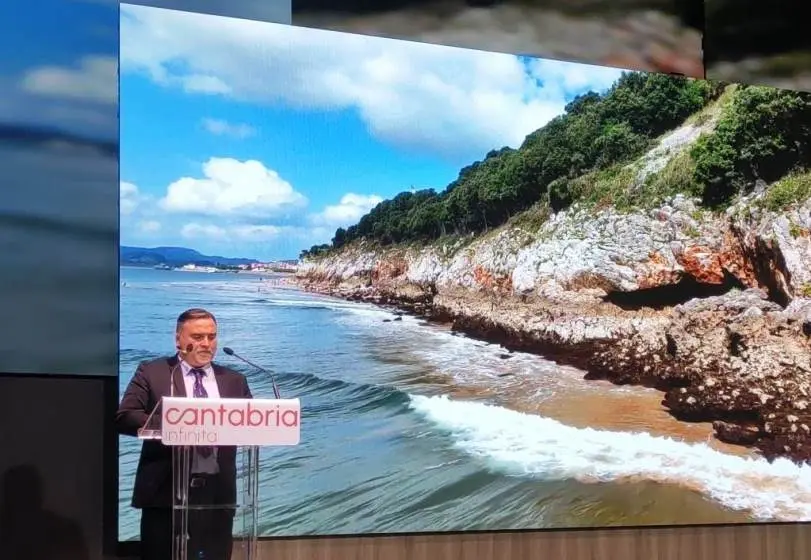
(288, 266)
(197, 268)
(272, 266)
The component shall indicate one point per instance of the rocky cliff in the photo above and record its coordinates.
(711, 307)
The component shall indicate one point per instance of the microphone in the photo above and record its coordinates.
(187, 350)
(230, 352)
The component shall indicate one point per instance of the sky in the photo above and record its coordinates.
(251, 139)
(63, 72)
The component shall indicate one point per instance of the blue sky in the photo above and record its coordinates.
(242, 138)
(63, 72)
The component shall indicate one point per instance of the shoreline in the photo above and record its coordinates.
(651, 474)
(636, 348)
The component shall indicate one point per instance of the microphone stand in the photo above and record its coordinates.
(230, 352)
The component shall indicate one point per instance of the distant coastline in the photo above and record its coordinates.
(185, 259)
(248, 272)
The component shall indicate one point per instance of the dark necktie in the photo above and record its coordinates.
(199, 392)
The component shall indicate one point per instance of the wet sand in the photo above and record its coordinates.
(630, 409)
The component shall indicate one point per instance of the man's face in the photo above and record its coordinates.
(201, 334)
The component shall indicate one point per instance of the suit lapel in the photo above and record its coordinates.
(177, 377)
(221, 379)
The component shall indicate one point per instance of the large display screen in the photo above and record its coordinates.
(59, 210)
(511, 293)
(757, 43)
(652, 35)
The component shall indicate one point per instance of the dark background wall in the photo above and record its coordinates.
(55, 433)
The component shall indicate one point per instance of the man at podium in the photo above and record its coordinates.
(190, 372)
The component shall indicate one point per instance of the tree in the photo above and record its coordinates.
(764, 134)
(598, 131)
(339, 239)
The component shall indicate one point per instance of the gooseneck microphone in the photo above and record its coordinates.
(230, 352)
(187, 350)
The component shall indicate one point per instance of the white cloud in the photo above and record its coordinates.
(224, 128)
(195, 231)
(232, 233)
(257, 232)
(241, 234)
(150, 226)
(94, 78)
(71, 115)
(451, 101)
(236, 207)
(230, 187)
(137, 211)
(130, 196)
(348, 211)
(199, 83)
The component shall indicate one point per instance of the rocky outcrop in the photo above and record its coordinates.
(739, 360)
(713, 310)
(778, 246)
(600, 253)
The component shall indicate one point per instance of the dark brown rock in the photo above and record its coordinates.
(737, 434)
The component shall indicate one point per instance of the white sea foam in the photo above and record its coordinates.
(534, 446)
(464, 359)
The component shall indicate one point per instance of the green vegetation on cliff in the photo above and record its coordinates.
(584, 155)
(791, 189)
(764, 134)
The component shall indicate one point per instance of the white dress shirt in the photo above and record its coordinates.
(200, 464)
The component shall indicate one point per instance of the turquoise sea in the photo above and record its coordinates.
(58, 242)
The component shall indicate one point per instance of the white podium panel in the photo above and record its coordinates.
(215, 464)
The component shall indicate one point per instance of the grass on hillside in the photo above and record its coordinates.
(714, 109)
(618, 186)
(531, 220)
(792, 189)
(676, 178)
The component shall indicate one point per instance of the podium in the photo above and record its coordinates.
(215, 446)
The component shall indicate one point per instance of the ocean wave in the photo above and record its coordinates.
(528, 445)
(29, 224)
(344, 396)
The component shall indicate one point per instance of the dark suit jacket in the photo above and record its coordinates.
(153, 478)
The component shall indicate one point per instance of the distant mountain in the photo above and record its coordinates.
(174, 256)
